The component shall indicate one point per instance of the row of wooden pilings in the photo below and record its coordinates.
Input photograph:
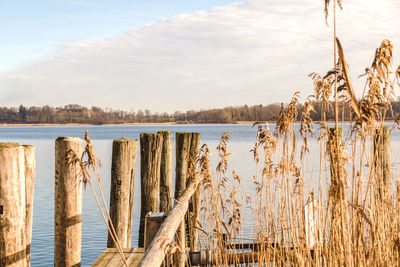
(155, 254)
(17, 175)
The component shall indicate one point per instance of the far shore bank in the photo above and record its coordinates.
(144, 123)
(105, 124)
(81, 124)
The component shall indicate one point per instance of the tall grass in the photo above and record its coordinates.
(352, 216)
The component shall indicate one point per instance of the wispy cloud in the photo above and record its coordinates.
(246, 53)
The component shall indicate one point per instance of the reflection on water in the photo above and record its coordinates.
(94, 234)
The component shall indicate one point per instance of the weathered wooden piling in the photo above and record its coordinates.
(182, 148)
(335, 150)
(337, 196)
(186, 151)
(382, 159)
(123, 170)
(150, 160)
(12, 205)
(194, 205)
(68, 202)
(29, 162)
(166, 173)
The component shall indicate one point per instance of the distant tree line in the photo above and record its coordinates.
(97, 115)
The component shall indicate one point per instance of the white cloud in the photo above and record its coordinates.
(259, 51)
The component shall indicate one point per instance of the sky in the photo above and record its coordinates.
(180, 54)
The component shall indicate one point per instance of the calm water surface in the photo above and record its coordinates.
(94, 232)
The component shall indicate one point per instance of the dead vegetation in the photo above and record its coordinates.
(350, 217)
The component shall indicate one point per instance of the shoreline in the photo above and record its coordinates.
(142, 123)
(112, 124)
(81, 124)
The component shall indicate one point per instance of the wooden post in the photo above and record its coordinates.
(155, 254)
(12, 205)
(123, 170)
(150, 160)
(187, 145)
(310, 215)
(29, 161)
(194, 205)
(153, 222)
(382, 159)
(182, 147)
(68, 202)
(166, 173)
(336, 166)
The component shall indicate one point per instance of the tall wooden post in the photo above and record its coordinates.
(336, 166)
(187, 145)
(29, 161)
(194, 206)
(68, 202)
(182, 148)
(123, 170)
(150, 160)
(12, 205)
(166, 173)
(382, 159)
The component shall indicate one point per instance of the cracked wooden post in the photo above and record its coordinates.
(195, 201)
(187, 145)
(29, 161)
(122, 188)
(182, 147)
(12, 205)
(68, 202)
(150, 160)
(337, 168)
(166, 173)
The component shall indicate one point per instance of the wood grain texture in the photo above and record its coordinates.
(195, 201)
(12, 200)
(30, 162)
(111, 257)
(150, 160)
(166, 173)
(382, 161)
(182, 147)
(68, 203)
(123, 169)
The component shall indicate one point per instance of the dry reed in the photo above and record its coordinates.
(347, 219)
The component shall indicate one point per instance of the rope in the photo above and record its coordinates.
(87, 178)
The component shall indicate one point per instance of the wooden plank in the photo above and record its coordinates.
(117, 260)
(105, 258)
(111, 257)
(135, 257)
(153, 222)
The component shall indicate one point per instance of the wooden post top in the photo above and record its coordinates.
(123, 139)
(69, 139)
(9, 145)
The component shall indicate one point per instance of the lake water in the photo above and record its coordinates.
(94, 231)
